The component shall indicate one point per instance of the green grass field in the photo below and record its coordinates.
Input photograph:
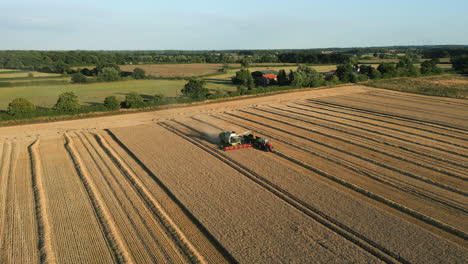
(93, 93)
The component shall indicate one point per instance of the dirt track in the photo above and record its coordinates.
(357, 175)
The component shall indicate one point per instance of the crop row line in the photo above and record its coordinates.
(349, 165)
(330, 223)
(368, 123)
(395, 106)
(383, 165)
(362, 136)
(410, 97)
(397, 117)
(374, 140)
(354, 113)
(426, 154)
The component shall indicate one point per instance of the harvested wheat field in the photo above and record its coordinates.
(357, 175)
(178, 70)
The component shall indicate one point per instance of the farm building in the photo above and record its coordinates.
(265, 77)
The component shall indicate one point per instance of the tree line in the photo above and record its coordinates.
(306, 76)
(63, 61)
(68, 103)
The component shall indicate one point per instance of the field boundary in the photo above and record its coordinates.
(49, 119)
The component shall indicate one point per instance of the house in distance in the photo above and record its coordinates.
(265, 77)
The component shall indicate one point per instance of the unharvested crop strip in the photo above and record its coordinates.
(309, 139)
(111, 232)
(344, 164)
(441, 225)
(375, 140)
(227, 256)
(345, 111)
(359, 135)
(408, 98)
(426, 154)
(344, 231)
(368, 123)
(369, 194)
(44, 227)
(397, 117)
(354, 154)
(416, 214)
(172, 229)
(396, 106)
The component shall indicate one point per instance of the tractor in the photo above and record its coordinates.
(231, 140)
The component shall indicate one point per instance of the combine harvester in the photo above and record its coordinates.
(231, 140)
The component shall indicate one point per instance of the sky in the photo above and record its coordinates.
(234, 24)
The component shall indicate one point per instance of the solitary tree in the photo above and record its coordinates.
(306, 77)
(388, 70)
(139, 73)
(20, 106)
(460, 64)
(195, 88)
(430, 67)
(158, 97)
(244, 78)
(111, 103)
(374, 73)
(109, 74)
(283, 78)
(298, 80)
(245, 63)
(133, 99)
(345, 72)
(79, 78)
(67, 102)
(290, 76)
(406, 67)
